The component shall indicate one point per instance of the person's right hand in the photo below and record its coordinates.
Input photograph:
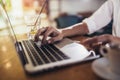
(53, 33)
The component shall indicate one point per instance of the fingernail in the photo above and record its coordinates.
(49, 41)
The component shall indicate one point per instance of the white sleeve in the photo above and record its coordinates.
(101, 17)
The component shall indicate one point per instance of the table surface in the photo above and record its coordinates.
(11, 68)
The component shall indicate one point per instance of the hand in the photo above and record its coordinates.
(97, 41)
(54, 33)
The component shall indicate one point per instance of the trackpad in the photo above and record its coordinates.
(75, 51)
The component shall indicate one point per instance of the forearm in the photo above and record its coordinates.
(77, 29)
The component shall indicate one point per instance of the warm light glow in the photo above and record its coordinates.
(7, 65)
(17, 8)
(3, 48)
(20, 29)
(43, 15)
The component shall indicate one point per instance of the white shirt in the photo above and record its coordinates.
(109, 10)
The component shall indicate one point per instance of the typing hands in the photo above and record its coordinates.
(57, 35)
(53, 33)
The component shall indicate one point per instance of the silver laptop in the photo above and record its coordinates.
(37, 58)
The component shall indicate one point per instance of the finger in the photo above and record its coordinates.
(96, 39)
(54, 39)
(89, 41)
(49, 31)
(55, 33)
(39, 32)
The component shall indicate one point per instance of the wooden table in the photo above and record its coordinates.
(11, 68)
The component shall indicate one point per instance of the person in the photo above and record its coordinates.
(108, 11)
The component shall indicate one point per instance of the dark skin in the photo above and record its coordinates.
(97, 41)
(59, 34)
(80, 29)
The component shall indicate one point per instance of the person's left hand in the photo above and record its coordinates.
(97, 41)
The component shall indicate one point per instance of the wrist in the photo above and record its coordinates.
(62, 33)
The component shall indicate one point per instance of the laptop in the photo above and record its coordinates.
(38, 58)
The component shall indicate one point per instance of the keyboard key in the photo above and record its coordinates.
(43, 54)
(52, 52)
(35, 54)
(58, 51)
(29, 53)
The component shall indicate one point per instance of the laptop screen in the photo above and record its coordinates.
(7, 20)
(7, 23)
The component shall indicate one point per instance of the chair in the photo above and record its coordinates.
(67, 20)
(105, 30)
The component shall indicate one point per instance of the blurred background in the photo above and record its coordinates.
(57, 13)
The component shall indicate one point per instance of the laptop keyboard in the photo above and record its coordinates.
(43, 54)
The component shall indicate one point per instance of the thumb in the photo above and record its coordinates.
(54, 39)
